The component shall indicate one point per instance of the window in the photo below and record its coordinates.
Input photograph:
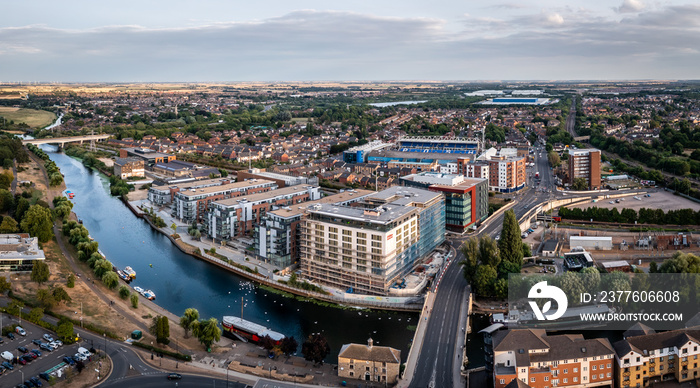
(333, 230)
(362, 242)
(376, 244)
(347, 239)
(575, 370)
(347, 245)
(575, 379)
(546, 378)
(502, 381)
(566, 371)
(609, 365)
(532, 379)
(347, 233)
(361, 235)
(594, 367)
(376, 238)
(333, 236)
(565, 380)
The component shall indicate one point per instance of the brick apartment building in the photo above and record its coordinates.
(585, 163)
(507, 173)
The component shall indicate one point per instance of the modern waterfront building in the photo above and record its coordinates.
(277, 236)
(645, 356)
(129, 167)
(19, 252)
(190, 205)
(237, 216)
(282, 180)
(585, 163)
(466, 199)
(539, 360)
(367, 247)
(148, 156)
(369, 362)
(162, 195)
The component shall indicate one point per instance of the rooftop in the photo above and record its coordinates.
(381, 215)
(189, 192)
(20, 247)
(404, 196)
(290, 190)
(370, 353)
(294, 210)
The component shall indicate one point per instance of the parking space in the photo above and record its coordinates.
(659, 199)
(47, 361)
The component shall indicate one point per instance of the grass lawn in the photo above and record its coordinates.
(32, 117)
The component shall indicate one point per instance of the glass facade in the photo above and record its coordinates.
(431, 225)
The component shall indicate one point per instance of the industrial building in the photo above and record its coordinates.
(148, 156)
(367, 247)
(591, 242)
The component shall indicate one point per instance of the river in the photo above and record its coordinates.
(385, 104)
(180, 281)
(57, 122)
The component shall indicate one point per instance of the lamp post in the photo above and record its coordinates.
(105, 337)
(21, 381)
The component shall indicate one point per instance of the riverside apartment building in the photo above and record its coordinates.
(365, 248)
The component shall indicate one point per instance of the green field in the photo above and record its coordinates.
(32, 117)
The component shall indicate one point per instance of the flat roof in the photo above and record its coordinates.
(381, 215)
(615, 264)
(294, 210)
(419, 156)
(591, 238)
(404, 196)
(265, 195)
(229, 186)
(466, 184)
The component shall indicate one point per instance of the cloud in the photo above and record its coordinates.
(557, 43)
(630, 6)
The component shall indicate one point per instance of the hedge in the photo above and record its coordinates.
(179, 356)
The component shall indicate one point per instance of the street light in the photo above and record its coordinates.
(21, 381)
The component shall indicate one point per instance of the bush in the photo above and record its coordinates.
(124, 292)
(134, 301)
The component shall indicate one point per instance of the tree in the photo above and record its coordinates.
(208, 332)
(484, 280)
(554, 159)
(572, 285)
(267, 343)
(653, 267)
(488, 252)
(173, 227)
(590, 278)
(102, 267)
(60, 295)
(8, 225)
(35, 314)
(45, 298)
(288, 346)
(134, 301)
(526, 250)
(70, 282)
(38, 223)
(124, 292)
(470, 250)
(188, 319)
(510, 246)
(160, 327)
(65, 330)
(315, 348)
(111, 280)
(21, 209)
(40, 272)
(5, 285)
(580, 184)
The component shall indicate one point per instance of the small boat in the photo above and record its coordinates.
(124, 276)
(150, 295)
(139, 290)
(70, 194)
(129, 271)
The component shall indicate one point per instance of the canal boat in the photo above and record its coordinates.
(150, 295)
(239, 328)
(129, 271)
(70, 194)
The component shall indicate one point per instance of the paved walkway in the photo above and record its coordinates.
(417, 343)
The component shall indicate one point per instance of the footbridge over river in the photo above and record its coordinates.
(61, 141)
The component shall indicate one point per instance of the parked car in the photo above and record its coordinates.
(37, 352)
(29, 384)
(32, 355)
(68, 361)
(58, 342)
(48, 337)
(7, 356)
(10, 336)
(174, 376)
(36, 381)
(84, 352)
(27, 358)
(53, 345)
(44, 376)
(46, 347)
(7, 365)
(23, 349)
(36, 342)
(80, 357)
(20, 331)
(20, 360)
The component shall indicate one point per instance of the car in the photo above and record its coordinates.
(53, 345)
(44, 376)
(80, 357)
(46, 347)
(524, 235)
(37, 352)
(498, 237)
(29, 384)
(20, 331)
(32, 355)
(10, 336)
(48, 337)
(23, 349)
(58, 342)
(174, 376)
(21, 360)
(36, 381)
(36, 342)
(22, 386)
(69, 360)
(7, 365)
(7, 355)
(84, 352)
(28, 357)
(612, 202)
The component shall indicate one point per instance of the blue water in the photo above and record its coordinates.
(181, 281)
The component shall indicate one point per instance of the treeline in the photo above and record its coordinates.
(79, 237)
(11, 148)
(89, 158)
(52, 170)
(119, 187)
(629, 216)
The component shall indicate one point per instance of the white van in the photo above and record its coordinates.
(7, 356)
(84, 352)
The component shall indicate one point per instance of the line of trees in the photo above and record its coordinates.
(207, 331)
(52, 170)
(629, 216)
(88, 252)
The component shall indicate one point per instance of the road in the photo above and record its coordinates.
(159, 380)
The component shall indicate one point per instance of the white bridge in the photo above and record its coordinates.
(61, 141)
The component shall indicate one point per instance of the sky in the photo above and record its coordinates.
(351, 40)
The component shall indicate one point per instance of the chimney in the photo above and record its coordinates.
(370, 343)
